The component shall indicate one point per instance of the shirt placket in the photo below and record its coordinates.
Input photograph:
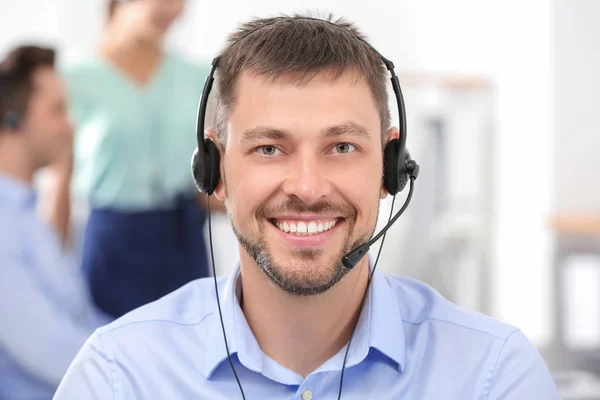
(308, 389)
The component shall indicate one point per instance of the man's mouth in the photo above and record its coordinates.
(304, 227)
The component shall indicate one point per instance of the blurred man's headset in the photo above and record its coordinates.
(399, 169)
(10, 119)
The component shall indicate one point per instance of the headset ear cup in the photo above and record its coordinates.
(390, 166)
(11, 120)
(198, 169)
(212, 165)
(403, 175)
(205, 167)
(395, 167)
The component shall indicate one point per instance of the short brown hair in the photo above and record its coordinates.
(302, 45)
(16, 77)
(112, 7)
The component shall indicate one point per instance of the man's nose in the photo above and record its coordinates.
(307, 180)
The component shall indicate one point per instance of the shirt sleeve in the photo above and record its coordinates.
(34, 331)
(90, 376)
(521, 372)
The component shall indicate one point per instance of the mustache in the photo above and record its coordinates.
(298, 206)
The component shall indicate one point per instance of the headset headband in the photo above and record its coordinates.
(388, 64)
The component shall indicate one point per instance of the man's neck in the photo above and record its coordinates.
(14, 164)
(298, 332)
(139, 61)
(122, 45)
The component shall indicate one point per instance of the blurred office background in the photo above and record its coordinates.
(500, 98)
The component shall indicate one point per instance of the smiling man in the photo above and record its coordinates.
(301, 125)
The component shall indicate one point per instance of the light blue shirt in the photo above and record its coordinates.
(410, 343)
(45, 316)
(132, 143)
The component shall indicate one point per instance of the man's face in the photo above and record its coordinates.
(302, 175)
(46, 127)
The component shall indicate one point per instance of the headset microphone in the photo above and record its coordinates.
(352, 258)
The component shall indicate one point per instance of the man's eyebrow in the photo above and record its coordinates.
(349, 129)
(263, 132)
(268, 133)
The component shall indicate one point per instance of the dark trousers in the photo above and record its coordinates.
(133, 258)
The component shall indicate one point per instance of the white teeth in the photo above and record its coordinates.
(301, 227)
(305, 228)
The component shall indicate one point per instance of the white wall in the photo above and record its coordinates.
(41, 17)
(523, 73)
(577, 134)
(508, 41)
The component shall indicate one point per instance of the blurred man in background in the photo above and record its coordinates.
(45, 314)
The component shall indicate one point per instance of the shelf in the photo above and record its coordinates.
(582, 224)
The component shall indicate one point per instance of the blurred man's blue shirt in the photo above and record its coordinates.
(410, 343)
(45, 315)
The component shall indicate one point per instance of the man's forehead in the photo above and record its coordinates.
(271, 107)
(327, 77)
(47, 81)
(45, 74)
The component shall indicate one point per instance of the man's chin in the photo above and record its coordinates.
(305, 274)
(296, 270)
(307, 261)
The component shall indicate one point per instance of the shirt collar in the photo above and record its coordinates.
(16, 193)
(215, 344)
(379, 327)
(386, 331)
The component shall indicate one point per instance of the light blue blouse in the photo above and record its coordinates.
(133, 144)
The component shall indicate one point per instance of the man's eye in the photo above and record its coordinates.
(344, 148)
(268, 150)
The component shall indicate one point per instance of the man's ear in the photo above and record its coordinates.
(220, 189)
(392, 133)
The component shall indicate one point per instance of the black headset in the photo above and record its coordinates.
(397, 163)
(398, 169)
(11, 119)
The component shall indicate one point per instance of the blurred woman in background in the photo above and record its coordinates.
(134, 107)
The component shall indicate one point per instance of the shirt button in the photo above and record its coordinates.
(307, 395)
